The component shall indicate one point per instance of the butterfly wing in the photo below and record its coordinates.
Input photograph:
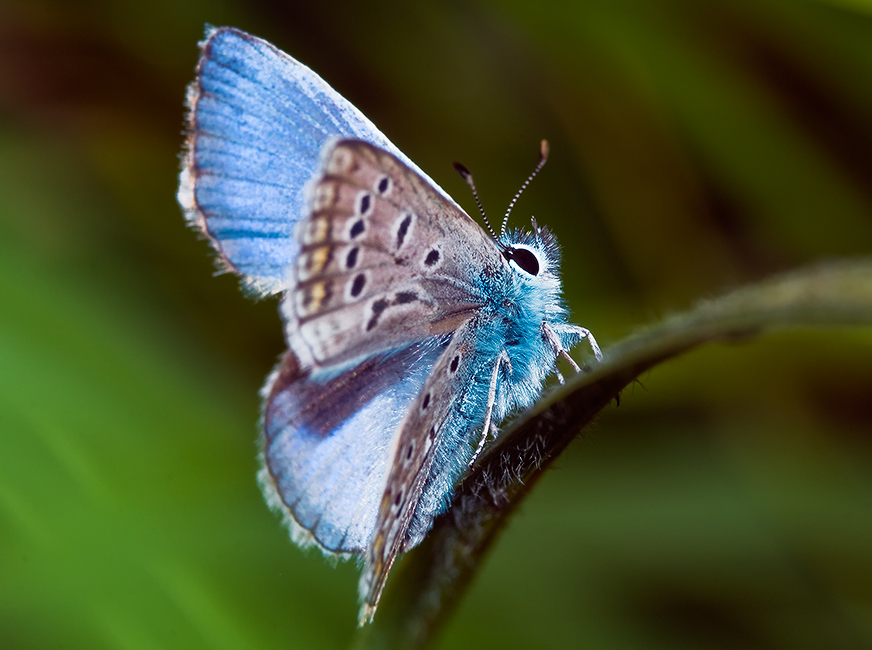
(384, 261)
(434, 433)
(326, 443)
(389, 290)
(385, 273)
(257, 123)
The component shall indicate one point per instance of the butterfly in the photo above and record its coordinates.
(410, 330)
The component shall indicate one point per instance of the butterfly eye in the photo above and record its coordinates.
(524, 259)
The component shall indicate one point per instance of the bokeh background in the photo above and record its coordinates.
(727, 503)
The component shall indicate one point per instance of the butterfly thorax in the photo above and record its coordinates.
(524, 303)
(509, 337)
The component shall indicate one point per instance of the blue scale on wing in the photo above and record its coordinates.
(258, 123)
(327, 443)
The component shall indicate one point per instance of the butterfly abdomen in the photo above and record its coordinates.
(521, 307)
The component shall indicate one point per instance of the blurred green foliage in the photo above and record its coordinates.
(695, 146)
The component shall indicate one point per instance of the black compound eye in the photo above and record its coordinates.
(523, 258)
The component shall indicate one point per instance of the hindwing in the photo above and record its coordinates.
(326, 445)
(436, 428)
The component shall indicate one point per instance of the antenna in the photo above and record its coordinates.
(543, 156)
(466, 175)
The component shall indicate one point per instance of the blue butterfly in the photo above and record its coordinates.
(410, 330)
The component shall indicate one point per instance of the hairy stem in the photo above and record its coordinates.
(433, 577)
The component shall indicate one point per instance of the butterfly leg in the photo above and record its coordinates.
(491, 398)
(551, 336)
(584, 333)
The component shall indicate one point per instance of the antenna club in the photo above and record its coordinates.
(467, 176)
(544, 150)
(463, 171)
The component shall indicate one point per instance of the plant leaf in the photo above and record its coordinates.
(433, 577)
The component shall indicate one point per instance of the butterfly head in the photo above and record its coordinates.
(534, 257)
(531, 255)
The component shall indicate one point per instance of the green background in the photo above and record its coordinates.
(696, 146)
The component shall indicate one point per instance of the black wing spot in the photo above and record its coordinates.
(432, 433)
(410, 450)
(357, 229)
(377, 308)
(426, 402)
(365, 204)
(405, 297)
(403, 230)
(454, 363)
(432, 257)
(383, 185)
(351, 258)
(357, 285)
(398, 499)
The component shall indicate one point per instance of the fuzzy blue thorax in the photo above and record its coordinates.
(525, 303)
(520, 304)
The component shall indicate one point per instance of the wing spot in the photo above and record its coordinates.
(433, 433)
(351, 258)
(403, 230)
(410, 450)
(313, 262)
(357, 285)
(325, 196)
(454, 363)
(311, 298)
(364, 206)
(384, 185)
(432, 257)
(357, 229)
(340, 161)
(398, 497)
(405, 297)
(377, 308)
(426, 402)
(316, 231)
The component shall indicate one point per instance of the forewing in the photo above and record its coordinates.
(385, 260)
(326, 443)
(257, 123)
